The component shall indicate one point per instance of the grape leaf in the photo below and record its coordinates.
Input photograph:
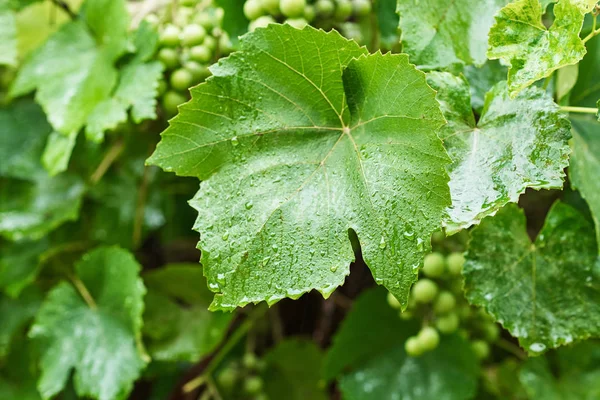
(578, 374)
(387, 21)
(517, 144)
(292, 157)
(8, 35)
(73, 72)
(446, 34)
(19, 264)
(587, 89)
(370, 329)
(235, 22)
(517, 281)
(177, 321)
(100, 338)
(584, 169)
(520, 39)
(14, 314)
(292, 371)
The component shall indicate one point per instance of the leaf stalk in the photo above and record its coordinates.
(581, 110)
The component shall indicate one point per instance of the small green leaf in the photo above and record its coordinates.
(292, 371)
(578, 374)
(584, 169)
(449, 372)
(293, 155)
(446, 34)
(178, 325)
(517, 281)
(517, 144)
(235, 22)
(482, 79)
(520, 39)
(99, 338)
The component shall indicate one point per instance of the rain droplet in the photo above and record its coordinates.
(419, 244)
(248, 205)
(382, 243)
(234, 141)
(225, 236)
(537, 347)
(333, 268)
(409, 234)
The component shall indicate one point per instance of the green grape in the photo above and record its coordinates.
(434, 265)
(153, 20)
(455, 263)
(352, 31)
(448, 323)
(181, 79)
(424, 291)
(309, 13)
(253, 385)
(171, 100)
(393, 301)
(292, 8)
(169, 37)
(205, 19)
(465, 312)
(481, 349)
(412, 346)
(227, 378)
(199, 72)
(201, 53)
(361, 8)
(444, 303)
(324, 8)
(271, 6)
(343, 11)
(225, 44)
(192, 35)
(438, 237)
(456, 285)
(211, 42)
(188, 3)
(298, 23)
(169, 57)
(253, 9)
(406, 315)
(184, 15)
(162, 87)
(491, 332)
(429, 338)
(261, 22)
(250, 361)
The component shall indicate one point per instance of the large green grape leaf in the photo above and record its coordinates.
(584, 170)
(371, 328)
(98, 338)
(15, 313)
(293, 154)
(578, 370)
(31, 203)
(293, 371)
(73, 72)
(587, 89)
(520, 39)
(177, 322)
(517, 144)
(546, 292)
(19, 264)
(446, 34)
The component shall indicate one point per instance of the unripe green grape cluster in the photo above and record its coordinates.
(344, 15)
(190, 39)
(438, 301)
(240, 378)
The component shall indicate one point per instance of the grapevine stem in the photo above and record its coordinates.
(83, 292)
(582, 110)
(233, 340)
(511, 348)
(65, 7)
(594, 31)
(110, 157)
